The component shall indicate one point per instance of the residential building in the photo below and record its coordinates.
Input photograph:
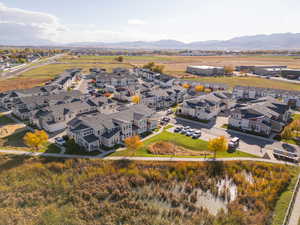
(262, 116)
(159, 98)
(7, 98)
(65, 80)
(289, 97)
(120, 77)
(206, 107)
(23, 106)
(102, 130)
(55, 118)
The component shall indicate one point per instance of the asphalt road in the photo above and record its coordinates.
(28, 67)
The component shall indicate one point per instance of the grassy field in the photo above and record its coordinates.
(15, 142)
(181, 140)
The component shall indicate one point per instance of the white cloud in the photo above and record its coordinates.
(18, 26)
(136, 22)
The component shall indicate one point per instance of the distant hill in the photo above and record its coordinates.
(272, 41)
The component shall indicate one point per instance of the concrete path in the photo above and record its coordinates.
(57, 155)
(162, 159)
(295, 214)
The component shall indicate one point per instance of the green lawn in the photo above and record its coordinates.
(15, 142)
(181, 140)
(4, 120)
(296, 116)
(284, 200)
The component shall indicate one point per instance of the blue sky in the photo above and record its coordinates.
(132, 20)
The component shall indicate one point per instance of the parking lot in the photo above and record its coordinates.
(247, 143)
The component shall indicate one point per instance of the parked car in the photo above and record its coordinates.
(196, 136)
(166, 119)
(233, 143)
(162, 122)
(177, 129)
(59, 141)
(189, 133)
(197, 132)
(169, 111)
(183, 131)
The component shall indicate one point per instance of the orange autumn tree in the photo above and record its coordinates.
(199, 88)
(186, 85)
(133, 143)
(219, 144)
(35, 139)
(228, 69)
(136, 99)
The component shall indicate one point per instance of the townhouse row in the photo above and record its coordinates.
(98, 130)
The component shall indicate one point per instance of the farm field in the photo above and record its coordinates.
(174, 65)
(123, 192)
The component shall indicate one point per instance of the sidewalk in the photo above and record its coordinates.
(295, 214)
(167, 159)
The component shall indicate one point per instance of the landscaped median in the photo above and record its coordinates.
(179, 140)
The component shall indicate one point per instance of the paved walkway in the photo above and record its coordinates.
(166, 159)
(295, 215)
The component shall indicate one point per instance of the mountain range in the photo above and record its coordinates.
(288, 41)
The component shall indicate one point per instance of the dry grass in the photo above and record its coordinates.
(167, 148)
(10, 129)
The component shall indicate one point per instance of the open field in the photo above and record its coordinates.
(123, 192)
(42, 74)
(180, 140)
(174, 65)
(250, 81)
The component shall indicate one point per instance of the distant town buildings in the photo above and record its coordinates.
(206, 70)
